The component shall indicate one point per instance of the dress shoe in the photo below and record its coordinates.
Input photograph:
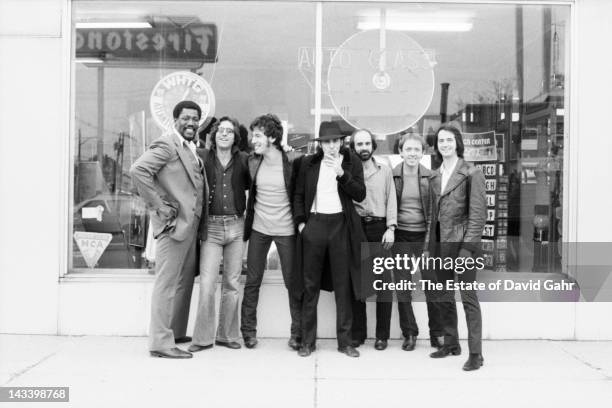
(437, 341)
(171, 353)
(250, 342)
(357, 343)
(349, 351)
(446, 350)
(184, 339)
(194, 348)
(229, 344)
(474, 362)
(305, 350)
(294, 343)
(380, 344)
(409, 343)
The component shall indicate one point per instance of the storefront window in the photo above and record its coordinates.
(496, 71)
(242, 50)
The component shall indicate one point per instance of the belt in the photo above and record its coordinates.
(224, 217)
(325, 216)
(368, 219)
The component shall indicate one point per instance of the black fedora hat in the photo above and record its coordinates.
(329, 131)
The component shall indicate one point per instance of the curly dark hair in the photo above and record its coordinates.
(271, 126)
(215, 128)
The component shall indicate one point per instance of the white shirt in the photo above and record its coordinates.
(190, 145)
(446, 174)
(327, 200)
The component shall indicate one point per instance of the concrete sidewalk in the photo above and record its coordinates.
(118, 372)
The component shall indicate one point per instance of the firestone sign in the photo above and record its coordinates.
(195, 42)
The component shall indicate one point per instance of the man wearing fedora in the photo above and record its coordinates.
(330, 228)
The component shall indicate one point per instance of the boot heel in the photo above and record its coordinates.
(456, 351)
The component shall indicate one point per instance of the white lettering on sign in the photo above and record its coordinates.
(490, 184)
(176, 87)
(113, 40)
(92, 245)
(491, 200)
(490, 215)
(487, 169)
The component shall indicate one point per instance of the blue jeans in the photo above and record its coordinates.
(224, 241)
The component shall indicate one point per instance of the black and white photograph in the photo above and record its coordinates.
(306, 204)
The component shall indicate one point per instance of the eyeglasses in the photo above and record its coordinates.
(222, 130)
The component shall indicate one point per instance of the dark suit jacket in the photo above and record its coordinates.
(351, 187)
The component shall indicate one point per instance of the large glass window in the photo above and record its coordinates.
(244, 51)
(497, 71)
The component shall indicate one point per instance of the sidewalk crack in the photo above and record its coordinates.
(316, 382)
(593, 367)
(30, 367)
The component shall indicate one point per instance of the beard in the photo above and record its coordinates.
(365, 155)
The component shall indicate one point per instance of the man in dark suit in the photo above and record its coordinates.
(327, 184)
(170, 179)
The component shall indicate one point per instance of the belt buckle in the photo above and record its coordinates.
(368, 218)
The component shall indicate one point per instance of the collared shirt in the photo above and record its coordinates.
(222, 202)
(446, 174)
(189, 144)
(327, 199)
(380, 200)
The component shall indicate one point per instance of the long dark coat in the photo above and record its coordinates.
(351, 187)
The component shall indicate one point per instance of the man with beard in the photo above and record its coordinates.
(269, 218)
(378, 214)
(170, 179)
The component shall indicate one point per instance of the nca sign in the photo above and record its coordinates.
(196, 42)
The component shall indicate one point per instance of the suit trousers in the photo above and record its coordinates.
(182, 299)
(326, 234)
(259, 246)
(174, 274)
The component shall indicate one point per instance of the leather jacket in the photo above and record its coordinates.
(461, 209)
